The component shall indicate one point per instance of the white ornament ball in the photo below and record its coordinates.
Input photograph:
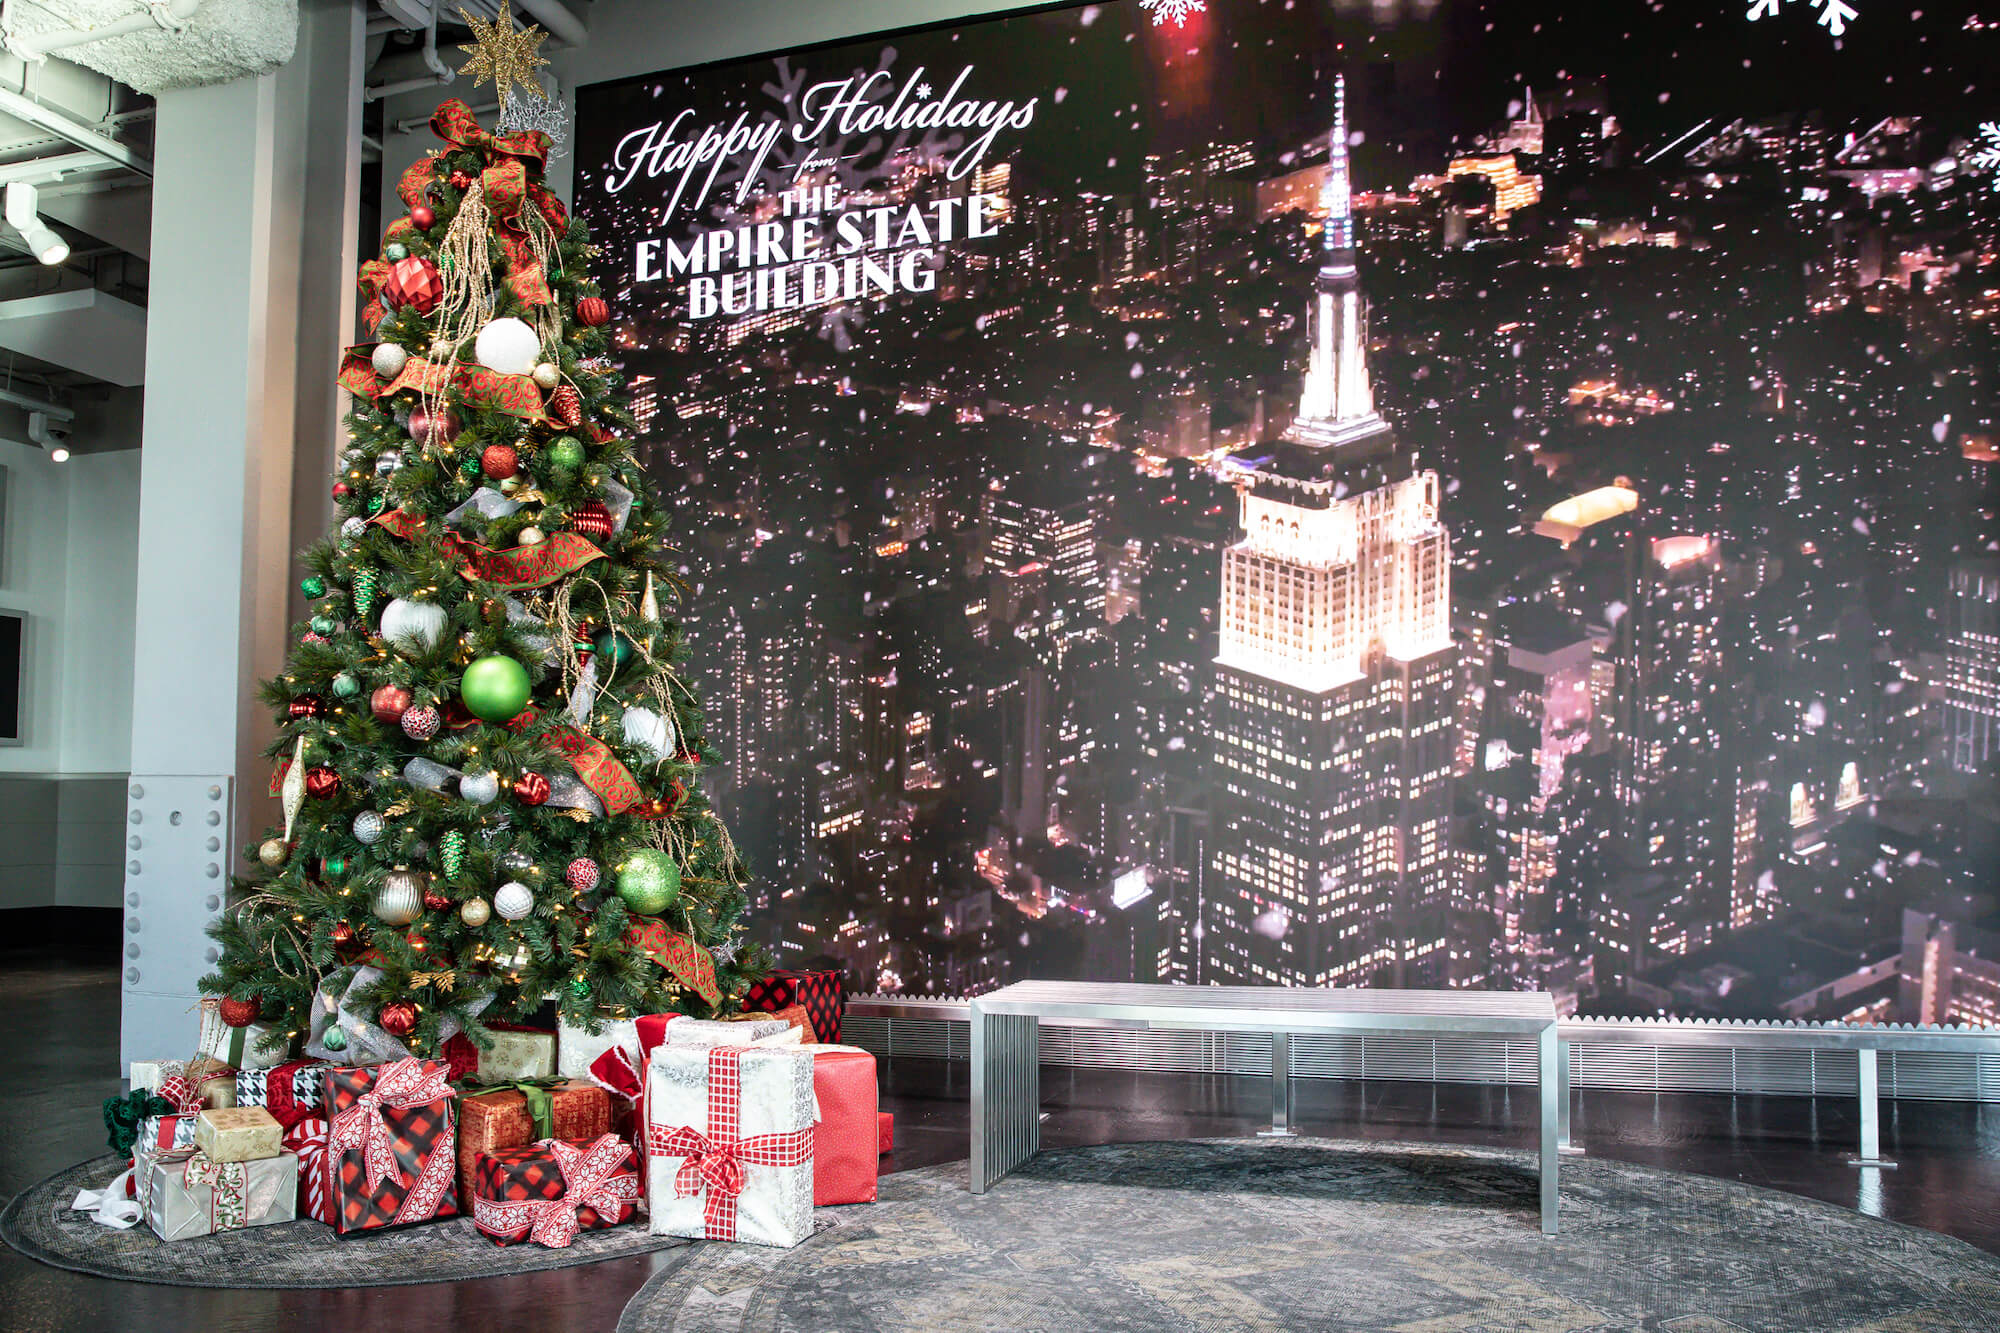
(369, 828)
(422, 621)
(508, 346)
(531, 536)
(479, 788)
(547, 376)
(389, 359)
(649, 731)
(400, 900)
(513, 901)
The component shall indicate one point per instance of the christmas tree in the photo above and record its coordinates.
(488, 762)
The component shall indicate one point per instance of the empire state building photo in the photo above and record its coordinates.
(1332, 704)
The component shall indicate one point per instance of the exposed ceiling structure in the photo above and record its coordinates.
(153, 45)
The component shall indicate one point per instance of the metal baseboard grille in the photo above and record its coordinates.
(893, 1028)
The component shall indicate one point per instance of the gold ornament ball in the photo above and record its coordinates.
(272, 853)
(475, 912)
(531, 536)
(547, 376)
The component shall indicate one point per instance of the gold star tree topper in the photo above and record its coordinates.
(501, 52)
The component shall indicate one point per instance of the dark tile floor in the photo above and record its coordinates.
(59, 1052)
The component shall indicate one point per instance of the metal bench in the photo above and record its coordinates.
(1006, 1071)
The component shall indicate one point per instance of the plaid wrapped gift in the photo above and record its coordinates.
(729, 1134)
(550, 1190)
(290, 1092)
(392, 1144)
(307, 1141)
(494, 1119)
(823, 994)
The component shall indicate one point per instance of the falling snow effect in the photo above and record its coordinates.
(1985, 155)
(1833, 14)
(1173, 11)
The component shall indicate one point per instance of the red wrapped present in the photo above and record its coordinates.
(496, 1119)
(290, 1092)
(306, 1139)
(550, 1190)
(848, 1138)
(823, 994)
(885, 1123)
(391, 1144)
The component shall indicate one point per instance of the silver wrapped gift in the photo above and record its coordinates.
(743, 1032)
(187, 1195)
(756, 1105)
(577, 1050)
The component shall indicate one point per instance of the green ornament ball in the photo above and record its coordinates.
(334, 1039)
(336, 867)
(375, 503)
(322, 625)
(613, 650)
(395, 250)
(312, 585)
(495, 688)
(579, 987)
(346, 686)
(566, 451)
(649, 882)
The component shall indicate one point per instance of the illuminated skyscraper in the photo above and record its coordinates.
(1332, 716)
(1972, 667)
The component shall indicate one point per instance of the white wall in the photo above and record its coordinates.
(70, 562)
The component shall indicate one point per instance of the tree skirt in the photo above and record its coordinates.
(40, 1225)
(1331, 1236)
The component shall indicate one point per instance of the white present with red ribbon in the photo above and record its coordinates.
(729, 1138)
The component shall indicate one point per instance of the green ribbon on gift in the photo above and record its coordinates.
(541, 1100)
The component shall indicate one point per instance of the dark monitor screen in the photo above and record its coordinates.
(11, 626)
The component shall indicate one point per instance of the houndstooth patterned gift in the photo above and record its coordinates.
(729, 1136)
(291, 1092)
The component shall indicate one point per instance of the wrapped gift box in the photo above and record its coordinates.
(238, 1134)
(747, 1031)
(306, 1140)
(729, 1138)
(392, 1145)
(248, 1048)
(848, 1139)
(191, 1085)
(823, 995)
(165, 1133)
(290, 1091)
(504, 1118)
(188, 1194)
(517, 1053)
(549, 1190)
(577, 1050)
(885, 1124)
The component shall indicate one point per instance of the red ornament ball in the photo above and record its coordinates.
(322, 782)
(415, 283)
(341, 490)
(306, 705)
(461, 180)
(241, 1013)
(422, 723)
(435, 901)
(591, 519)
(423, 217)
(398, 1018)
(582, 874)
(531, 789)
(499, 461)
(432, 429)
(343, 934)
(389, 703)
(592, 311)
(566, 405)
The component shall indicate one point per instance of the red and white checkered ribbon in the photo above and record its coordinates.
(714, 1161)
(593, 1177)
(185, 1090)
(402, 1086)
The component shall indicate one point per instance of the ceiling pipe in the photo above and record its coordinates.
(59, 166)
(64, 126)
(166, 15)
(440, 73)
(29, 403)
(556, 20)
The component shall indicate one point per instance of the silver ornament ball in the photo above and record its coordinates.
(513, 901)
(369, 828)
(479, 788)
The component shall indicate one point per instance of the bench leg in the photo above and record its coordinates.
(1565, 1137)
(1548, 1059)
(1281, 1089)
(1006, 1094)
(1871, 1110)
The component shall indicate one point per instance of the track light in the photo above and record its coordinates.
(24, 216)
(59, 455)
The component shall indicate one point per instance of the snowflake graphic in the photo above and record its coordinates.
(1833, 14)
(1176, 10)
(1985, 154)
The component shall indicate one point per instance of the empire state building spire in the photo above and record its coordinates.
(1338, 404)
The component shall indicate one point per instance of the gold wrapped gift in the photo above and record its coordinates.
(238, 1134)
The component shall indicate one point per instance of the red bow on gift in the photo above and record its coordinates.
(593, 1178)
(719, 1165)
(183, 1089)
(406, 1084)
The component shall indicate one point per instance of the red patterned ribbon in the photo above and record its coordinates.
(593, 1178)
(516, 395)
(307, 1139)
(185, 1090)
(596, 767)
(229, 1190)
(715, 1160)
(402, 1086)
(524, 567)
(691, 965)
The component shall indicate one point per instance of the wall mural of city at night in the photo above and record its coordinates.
(1325, 493)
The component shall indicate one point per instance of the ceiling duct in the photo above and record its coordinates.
(179, 45)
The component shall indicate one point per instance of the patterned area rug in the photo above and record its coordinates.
(1233, 1235)
(39, 1224)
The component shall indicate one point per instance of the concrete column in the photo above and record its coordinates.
(255, 197)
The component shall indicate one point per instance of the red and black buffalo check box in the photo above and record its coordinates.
(823, 995)
(533, 1175)
(392, 1145)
